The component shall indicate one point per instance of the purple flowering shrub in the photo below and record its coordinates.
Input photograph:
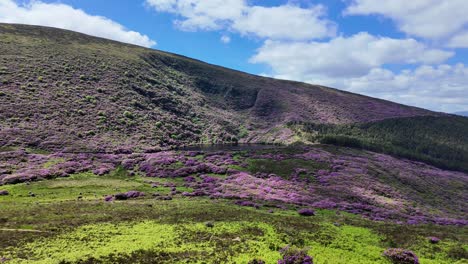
(120, 196)
(134, 194)
(293, 255)
(108, 198)
(124, 196)
(401, 256)
(434, 240)
(306, 212)
(4, 192)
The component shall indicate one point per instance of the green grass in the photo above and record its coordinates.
(55, 227)
(283, 168)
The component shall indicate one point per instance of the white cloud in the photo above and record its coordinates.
(344, 57)
(67, 17)
(278, 22)
(432, 19)
(201, 14)
(225, 39)
(459, 41)
(285, 22)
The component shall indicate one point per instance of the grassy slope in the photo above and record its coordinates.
(146, 230)
(64, 90)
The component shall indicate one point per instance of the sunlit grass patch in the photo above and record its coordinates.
(85, 186)
(52, 162)
(282, 168)
(225, 242)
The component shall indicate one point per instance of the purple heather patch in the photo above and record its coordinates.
(306, 212)
(401, 256)
(293, 255)
(434, 240)
(108, 198)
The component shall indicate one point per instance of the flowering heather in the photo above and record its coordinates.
(376, 186)
(306, 212)
(4, 192)
(120, 196)
(401, 256)
(434, 240)
(134, 194)
(292, 255)
(108, 198)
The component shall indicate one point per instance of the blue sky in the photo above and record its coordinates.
(412, 52)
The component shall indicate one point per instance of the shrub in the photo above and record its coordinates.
(4, 192)
(306, 212)
(121, 196)
(108, 198)
(134, 194)
(128, 115)
(401, 256)
(434, 240)
(90, 99)
(292, 255)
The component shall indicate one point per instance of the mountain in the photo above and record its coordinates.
(461, 113)
(62, 90)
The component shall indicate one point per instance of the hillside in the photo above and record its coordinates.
(65, 90)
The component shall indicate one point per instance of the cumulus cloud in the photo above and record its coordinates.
(344, 57)
(432, 19)
(279, 22)
(201, 14)
(66, 17)
(285, 22)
